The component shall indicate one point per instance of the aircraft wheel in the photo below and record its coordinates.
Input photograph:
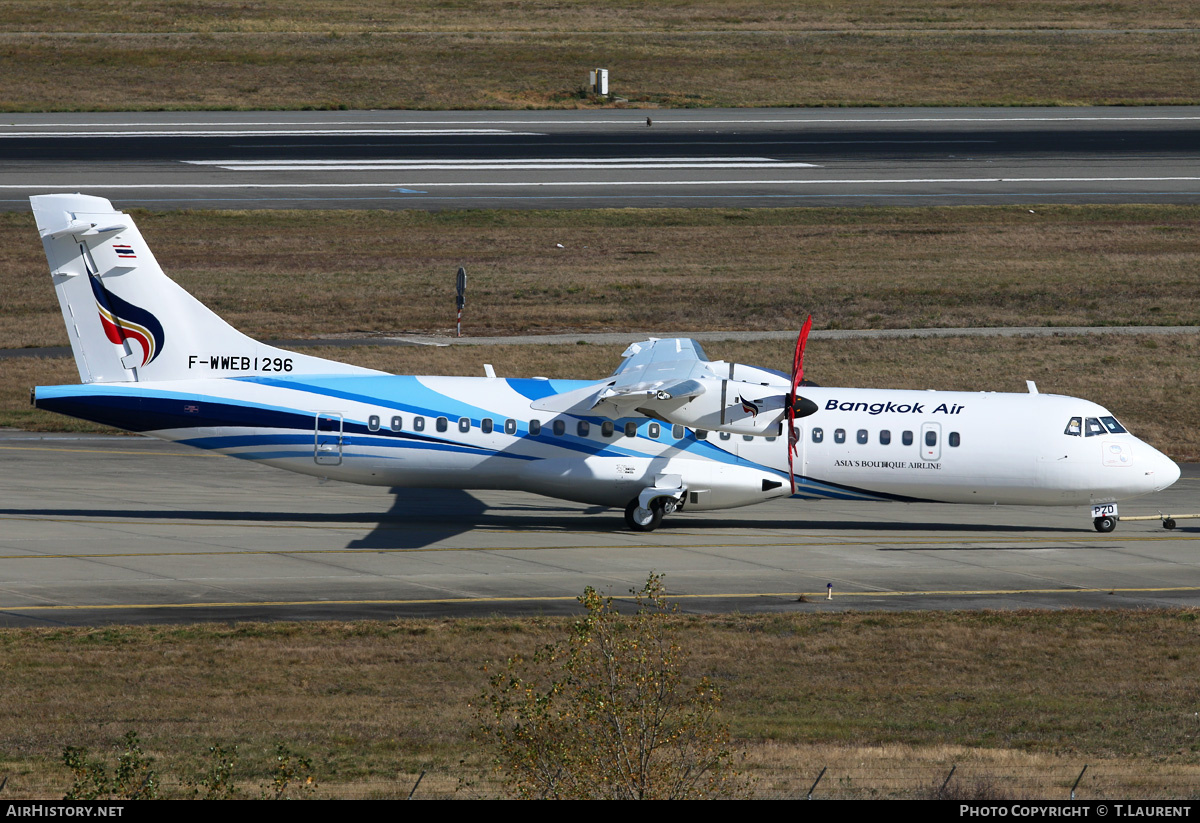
(1169, 523)
(1105, 524)
(643, 520)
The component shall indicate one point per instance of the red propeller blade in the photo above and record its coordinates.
(798, 360)
(797, 376)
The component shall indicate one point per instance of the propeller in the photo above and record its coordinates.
(797, 376)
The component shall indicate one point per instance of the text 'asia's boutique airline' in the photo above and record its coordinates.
(668, 430)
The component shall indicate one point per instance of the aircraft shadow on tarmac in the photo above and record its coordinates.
(422, 517)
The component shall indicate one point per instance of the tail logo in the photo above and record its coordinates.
(124, 321)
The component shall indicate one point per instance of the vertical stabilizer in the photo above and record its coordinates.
(129, 322)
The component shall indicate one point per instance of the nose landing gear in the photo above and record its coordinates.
(1104, 517)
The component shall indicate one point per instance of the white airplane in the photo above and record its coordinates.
(668, 430)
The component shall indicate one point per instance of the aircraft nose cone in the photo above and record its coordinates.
(1170, 472)
(1161, 471)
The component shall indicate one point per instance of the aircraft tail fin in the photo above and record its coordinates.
(129, 322)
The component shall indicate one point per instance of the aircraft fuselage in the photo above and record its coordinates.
(483, 433)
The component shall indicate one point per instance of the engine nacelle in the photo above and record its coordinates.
(614, 481)
(733, 406)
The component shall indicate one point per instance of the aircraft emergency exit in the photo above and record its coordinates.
(669, 430)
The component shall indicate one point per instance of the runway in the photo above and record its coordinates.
(606, 158)
(123, 529)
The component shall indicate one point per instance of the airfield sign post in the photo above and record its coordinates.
(461, 299)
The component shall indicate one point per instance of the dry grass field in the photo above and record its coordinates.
(1019, 701)
(379, 16)
(658, 272)
(1149, 382)
(655, 271)
(439, 54)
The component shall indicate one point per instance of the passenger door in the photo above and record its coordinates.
(327, 440)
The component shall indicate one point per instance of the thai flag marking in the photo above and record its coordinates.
(125, 252)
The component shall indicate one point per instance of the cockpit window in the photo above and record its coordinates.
(1075, 427)
(1092, 427)
(1112, 425)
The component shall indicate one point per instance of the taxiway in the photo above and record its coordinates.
(125, 529)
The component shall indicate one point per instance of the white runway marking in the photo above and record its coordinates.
(528, 164)
(409, 132)
(545, 183)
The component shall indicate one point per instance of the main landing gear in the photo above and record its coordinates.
(645, 512)
(644, 519)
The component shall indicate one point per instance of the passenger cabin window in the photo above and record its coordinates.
(397, 423)
(654, 430)
(419, 424)
(931, 438)
(839, 435)
(906, 438)
(464, 424)
(954, 440)
(485, 425)
(607, 428)
(442, 424)
(724, 435)
(677, 431)
(818, 435)
(1074, 427)
(701, 434)
(583, 428)
(373, 423)
(560, 428)
(885, 437)
(510, 426)
(862, 437)
(535, 427)
(631, 429)
(1092, 427)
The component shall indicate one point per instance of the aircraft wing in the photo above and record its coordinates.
(657, 371)
(672, 380)
(652, 371)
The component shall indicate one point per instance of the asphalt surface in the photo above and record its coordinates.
(606, 157)
(119, 529)
(124, 529)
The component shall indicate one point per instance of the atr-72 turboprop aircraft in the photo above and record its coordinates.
(668, 430)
